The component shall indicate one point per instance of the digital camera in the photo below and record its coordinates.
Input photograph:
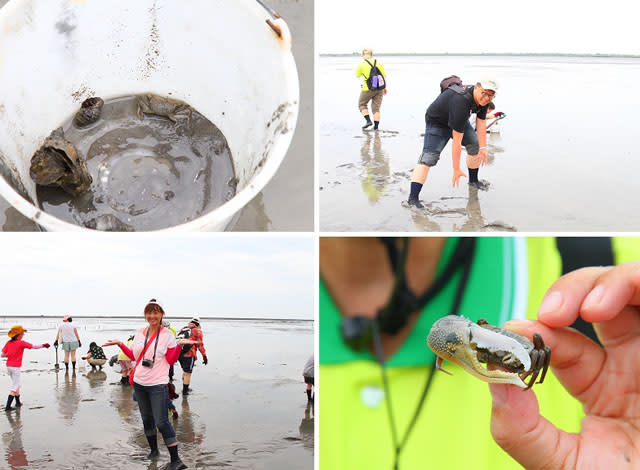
(147, 362)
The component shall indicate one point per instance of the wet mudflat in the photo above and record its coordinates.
(148, 171)
(247, 410)
(562, 161)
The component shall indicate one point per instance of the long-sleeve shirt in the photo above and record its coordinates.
(166, 354)
(196, 335)
(14, 350)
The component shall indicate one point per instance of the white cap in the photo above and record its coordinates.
(195, 320)
(489, 84)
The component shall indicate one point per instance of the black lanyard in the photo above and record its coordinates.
(400, 297)
(155, 347)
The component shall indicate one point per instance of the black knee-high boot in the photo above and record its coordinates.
(176, 463)
(9, 402)
(153, 444)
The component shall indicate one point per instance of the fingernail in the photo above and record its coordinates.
(499, 393)
(594, 297)
(552, 302)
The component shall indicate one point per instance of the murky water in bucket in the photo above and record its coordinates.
(148, 173)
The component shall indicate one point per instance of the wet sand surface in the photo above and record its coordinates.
(287, 202)
(248, 408)
(564, 159)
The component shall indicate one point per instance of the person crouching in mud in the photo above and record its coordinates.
(153, 349)
(448, 118)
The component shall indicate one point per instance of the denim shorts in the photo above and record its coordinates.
(436, 138)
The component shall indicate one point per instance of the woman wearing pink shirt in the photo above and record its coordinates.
(150, 379)
(13, 351)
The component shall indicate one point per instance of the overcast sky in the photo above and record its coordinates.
(543, 26)
(191, 274)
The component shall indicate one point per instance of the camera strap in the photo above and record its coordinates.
(155, 347)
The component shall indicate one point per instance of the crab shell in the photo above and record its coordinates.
(456, 339)
(58, 163)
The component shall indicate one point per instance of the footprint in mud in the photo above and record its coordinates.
(88, 399)
(498, 227)
(440, 211)
(36, 407)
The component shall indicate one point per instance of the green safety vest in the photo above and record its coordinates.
(508, 280)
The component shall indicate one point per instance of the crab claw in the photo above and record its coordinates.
(455, 339)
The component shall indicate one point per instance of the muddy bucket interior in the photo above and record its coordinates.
(230, 60)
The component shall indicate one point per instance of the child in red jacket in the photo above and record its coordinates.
(13, 351)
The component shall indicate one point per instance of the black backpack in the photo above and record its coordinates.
(376, 79)
(448, 81)
(185, 333)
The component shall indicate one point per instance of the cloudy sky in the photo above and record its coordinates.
(543, 26)
(191, 274)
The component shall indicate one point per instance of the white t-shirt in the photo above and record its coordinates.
(66, 332)
(158, 374)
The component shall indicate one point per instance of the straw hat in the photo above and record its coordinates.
(16, 330)
(66, 317)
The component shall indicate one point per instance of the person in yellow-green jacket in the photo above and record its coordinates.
(382, 403)
(372, 91)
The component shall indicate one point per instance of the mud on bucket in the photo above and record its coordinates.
(230, 60)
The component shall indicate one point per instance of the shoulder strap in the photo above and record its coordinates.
(144, 350)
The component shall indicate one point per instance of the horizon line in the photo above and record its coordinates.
(202, 317)
(547, 54)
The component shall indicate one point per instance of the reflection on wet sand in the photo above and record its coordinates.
(375, 172)
(68, 396)
(97, 378)
(16, 455)
(306, 427)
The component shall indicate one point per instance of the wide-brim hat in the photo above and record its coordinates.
(195, 320)
(16, 330)
(66, 317)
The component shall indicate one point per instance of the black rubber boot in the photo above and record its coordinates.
(9, 402)
(153, 444)
(18, 402)
(176, 463)
(74, 365)
(185, 390)
(309, 395)
(415, 202)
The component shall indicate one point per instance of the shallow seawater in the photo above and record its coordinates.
(148, 173)
(248, 409)
(562, 161)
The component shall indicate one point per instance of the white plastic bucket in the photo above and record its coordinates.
(220, 56)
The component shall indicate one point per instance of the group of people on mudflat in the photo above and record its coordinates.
(146, 360)
(446, 118)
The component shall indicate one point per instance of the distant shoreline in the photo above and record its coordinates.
(482, 54)
(123, 317)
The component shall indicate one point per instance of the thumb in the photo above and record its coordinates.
(517, 427)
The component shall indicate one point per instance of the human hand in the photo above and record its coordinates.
(482, 156)
(205, 360)
(84, 358)
(112, 342)
(604, 379)
(55, 344)
(384, 92)
(182, 342)
(457, 173)
(79, 343)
